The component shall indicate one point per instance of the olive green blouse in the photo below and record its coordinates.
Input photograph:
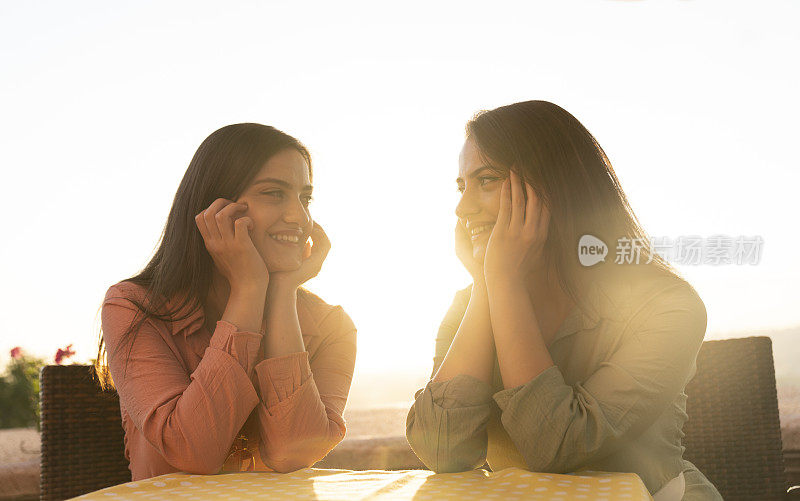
(613, 401)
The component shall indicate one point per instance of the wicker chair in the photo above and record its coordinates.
(733, 434)
(82, 437)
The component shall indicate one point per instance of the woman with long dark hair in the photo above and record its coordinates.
(553, 360)
(221, 360)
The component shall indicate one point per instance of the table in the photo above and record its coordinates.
(349, 485)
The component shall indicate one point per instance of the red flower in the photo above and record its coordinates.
(65, 353)
(16, 352)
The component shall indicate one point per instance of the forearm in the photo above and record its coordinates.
(245, 307)
(521, 351)
(283, 334)
(472, 350)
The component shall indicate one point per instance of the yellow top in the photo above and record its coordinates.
(614, 401)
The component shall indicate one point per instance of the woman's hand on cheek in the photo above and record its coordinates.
(518, 236)
(313, 257)
(225, 231)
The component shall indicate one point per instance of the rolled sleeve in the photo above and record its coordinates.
(243, 346)
(546, 385)
(446, 426)
(558, 427)
(461, 391)
(281, 377)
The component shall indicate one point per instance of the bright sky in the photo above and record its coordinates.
(103, 104)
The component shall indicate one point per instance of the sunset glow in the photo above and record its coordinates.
(695, 104)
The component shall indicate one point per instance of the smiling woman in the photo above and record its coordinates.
(543, 363)
(221, 360)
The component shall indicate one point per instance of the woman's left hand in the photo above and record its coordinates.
(313, 258)
(515, 246)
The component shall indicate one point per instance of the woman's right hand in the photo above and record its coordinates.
(225, 231)
(464, 253)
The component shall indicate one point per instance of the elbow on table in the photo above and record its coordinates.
(290, 464)
(544, 461)
(464, 455)
(446, 461)
(454, 465)
(293, 455)
(197, 464)
(190, 456)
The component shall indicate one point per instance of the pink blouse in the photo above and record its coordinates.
(187, 393)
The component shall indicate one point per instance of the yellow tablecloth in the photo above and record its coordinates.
(312, 483)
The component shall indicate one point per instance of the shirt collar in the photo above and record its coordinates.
(582, 318)
(189, 325)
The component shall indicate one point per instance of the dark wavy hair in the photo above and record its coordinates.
(222, 167)
(569, 171)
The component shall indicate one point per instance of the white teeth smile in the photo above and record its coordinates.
(286, 238)
(479, 229)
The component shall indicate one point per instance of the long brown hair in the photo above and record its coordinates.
(223, 166)
(569, 171)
